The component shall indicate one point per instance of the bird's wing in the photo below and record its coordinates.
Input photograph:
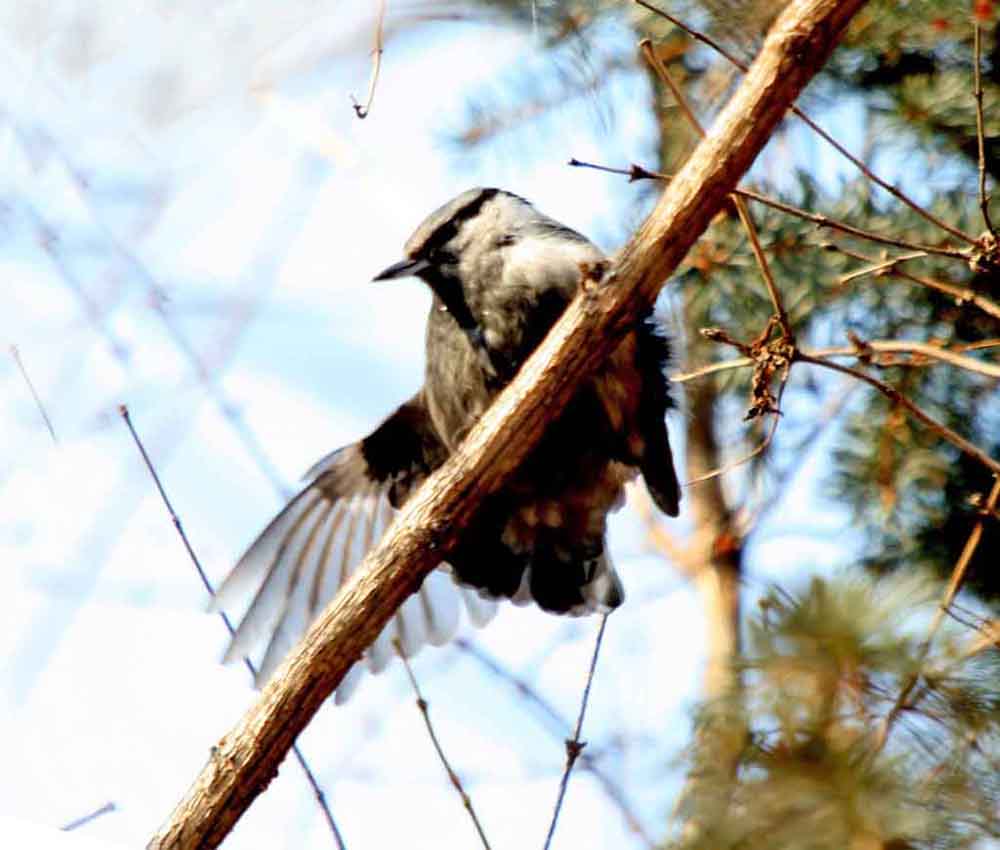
(308, 551)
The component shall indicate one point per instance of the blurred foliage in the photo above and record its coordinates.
(823, 668)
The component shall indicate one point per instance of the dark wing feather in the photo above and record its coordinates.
(309, 550)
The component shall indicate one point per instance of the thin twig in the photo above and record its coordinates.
(924, 349)
(452, 776)
(574, 746)
(984, 201)
(637, 172)
(83, 820)
(760, 449)
(961, 294)
(954, 585)
(711, 369)
(34, 393)
(880, 268)
(559, 726)
(646, 46)
(362, 110)
(897, 397)
(855, 161)
(175, 519)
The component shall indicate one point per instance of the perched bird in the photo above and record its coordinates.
(501, 273)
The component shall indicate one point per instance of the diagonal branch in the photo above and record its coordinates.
(247, 758)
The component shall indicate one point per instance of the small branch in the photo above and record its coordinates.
(362, 110)
(924, 349)
(857, 163)
(83, 820)
(34, 393)
(206, 582)
(574, 746)
(897, 397)
(961, 294)
(984, 201)
(881, 268)
(741, 208)
(452, 776)
(711, 369)
(559, 726)
(637, 172)
(951, 591)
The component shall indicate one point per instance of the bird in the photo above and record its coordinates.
(500, 274)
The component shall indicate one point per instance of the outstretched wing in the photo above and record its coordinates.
(309, 550)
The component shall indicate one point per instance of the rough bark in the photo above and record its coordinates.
(246, 759)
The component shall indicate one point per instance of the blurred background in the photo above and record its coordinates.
(190, 213)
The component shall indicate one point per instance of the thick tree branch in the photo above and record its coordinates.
(247, 759)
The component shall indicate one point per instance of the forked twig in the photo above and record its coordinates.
(954, 585)
(558, 725)
(855, 161)
(574, 746)
(452, 776)
(961, 294)
(362, 110)
(984, 201)
(175, 519)
(34, 393)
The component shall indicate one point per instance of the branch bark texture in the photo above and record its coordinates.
(247, 758)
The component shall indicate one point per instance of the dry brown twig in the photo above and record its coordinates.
(176, 521)
(362, 110)
(880, 268)
(453, 777)
(246, 759)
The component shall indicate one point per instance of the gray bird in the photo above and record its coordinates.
(501, 274)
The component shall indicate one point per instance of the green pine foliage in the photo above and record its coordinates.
(822, 669)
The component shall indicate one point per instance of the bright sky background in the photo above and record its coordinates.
(180, 176)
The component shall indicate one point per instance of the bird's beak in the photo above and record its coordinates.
(404, 268)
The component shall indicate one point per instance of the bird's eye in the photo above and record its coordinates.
(445, 258)
(505, 240)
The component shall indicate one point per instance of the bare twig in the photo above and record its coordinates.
(886, 266)
(918, 413)
(958, 573)
(924, 349)
(362, 110)
(961, 294)
(855, 161)
(574, 746)
(984, 200)
(206, 582)
(559, 726)
(637, 172)
(741, 208)
(241, 766)
(34, 393)
(452, 776)
(83, 820)
(711, 369)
